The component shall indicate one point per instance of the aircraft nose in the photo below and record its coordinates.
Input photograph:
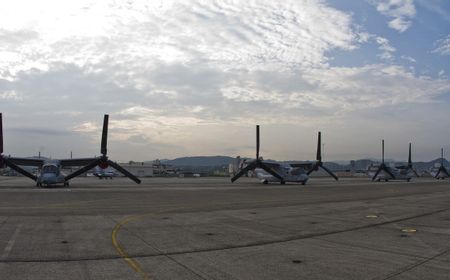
(49, 178)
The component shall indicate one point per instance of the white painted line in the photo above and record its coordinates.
(11, 242)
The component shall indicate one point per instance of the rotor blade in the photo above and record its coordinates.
(409, 156)
(1, 134)
(329, 172)
(249, 167)
(124, 171)
(19, 169)
(437, 173)
(257, 142)
(313, 168)
(376, 173)
(445, 171)
(270, 171)
(382, 151)
(80, 171)
(388, 172)
(319, 148)
(442, 156)
(104, 143)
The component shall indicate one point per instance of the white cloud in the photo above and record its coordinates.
(182, 78)
(386, 48)
(443, 46)
(10, 95)
(408, 58)
(401, 11)
(225, 34)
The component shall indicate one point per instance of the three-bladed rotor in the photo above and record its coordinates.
(4, 161)
(257, 163)
(319, 164)
(383, 166)
(442, 168)
(103, 161)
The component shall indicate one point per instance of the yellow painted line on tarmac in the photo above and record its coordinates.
(133, 263)
(130, 261)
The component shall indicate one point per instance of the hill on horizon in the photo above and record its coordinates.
(200, 161)
(209, 161)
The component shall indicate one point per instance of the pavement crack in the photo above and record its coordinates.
(414, 265)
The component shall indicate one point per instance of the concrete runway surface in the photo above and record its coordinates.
(208, 228)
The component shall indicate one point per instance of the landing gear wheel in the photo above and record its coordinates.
(66, 184)
(282, 182)
(303, 183)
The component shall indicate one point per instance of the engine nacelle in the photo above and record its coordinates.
(103, 165)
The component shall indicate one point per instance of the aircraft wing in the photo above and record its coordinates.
(306, 166)
(76, 161)
(26, 161)
(273, 165)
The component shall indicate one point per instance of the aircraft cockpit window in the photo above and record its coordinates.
(50, 169)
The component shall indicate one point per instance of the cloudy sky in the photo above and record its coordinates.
(182, 78)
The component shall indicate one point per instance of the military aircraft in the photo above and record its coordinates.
(50, 170)
(441, 172)
(104, 173)
(319, 164)
(386, 173)
(270, 171)
(408, 169)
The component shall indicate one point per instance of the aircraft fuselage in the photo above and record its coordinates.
(50, 174)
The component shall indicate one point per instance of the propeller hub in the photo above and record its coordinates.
(103, 165)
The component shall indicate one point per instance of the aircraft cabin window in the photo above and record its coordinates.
(50, 169)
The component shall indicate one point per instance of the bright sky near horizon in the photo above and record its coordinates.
(182, 78)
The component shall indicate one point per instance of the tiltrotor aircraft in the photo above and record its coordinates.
(440, 172)
(50, 170)
(386, 173)
(276, 172)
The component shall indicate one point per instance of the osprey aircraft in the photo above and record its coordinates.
(270, 171)
(441, 172)
(386, 173)
(50, 170)
(408, 169)
(319, 164)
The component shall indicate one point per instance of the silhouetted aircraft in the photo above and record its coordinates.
(386, 173)
(319, 164)
(270, 171)
(441, 172)
(50, 170)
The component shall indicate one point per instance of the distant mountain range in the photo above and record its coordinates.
(199, 161)
(215, 161)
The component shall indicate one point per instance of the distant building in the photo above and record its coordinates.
(162, 169)
(139, 169)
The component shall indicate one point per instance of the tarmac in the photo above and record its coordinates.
(209, 228)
